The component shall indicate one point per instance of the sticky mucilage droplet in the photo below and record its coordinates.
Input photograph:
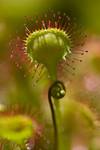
(53, 42)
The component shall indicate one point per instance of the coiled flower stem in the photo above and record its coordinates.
(56, 91)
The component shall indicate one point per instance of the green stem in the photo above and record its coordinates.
(61, 142)
(54, 120)
(55, 93)
(64, 140)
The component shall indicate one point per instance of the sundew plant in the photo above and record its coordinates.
(52, 46)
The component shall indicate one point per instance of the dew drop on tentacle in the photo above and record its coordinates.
(47, 47)
(50, 39)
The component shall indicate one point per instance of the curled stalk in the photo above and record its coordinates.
(56, 92)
